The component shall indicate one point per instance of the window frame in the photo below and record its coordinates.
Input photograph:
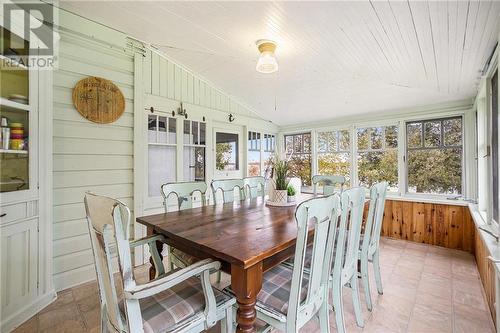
(312, 148)
(262, 147)
(349, 151)
(398, 120)
(357, 151)
(441, 146)
(195, 145)
(175, 145)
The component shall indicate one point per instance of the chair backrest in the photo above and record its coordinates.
(184, 192)
(323, 213)
(107, 232)
(373, 225)
(329, 183)
(223, 189)
(255, 187)
(352, 204)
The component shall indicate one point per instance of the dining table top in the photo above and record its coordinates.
(241, 233)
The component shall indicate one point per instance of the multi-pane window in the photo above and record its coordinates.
(253, 155)
(298, 149)
(494, 146)
(161, 152)
(194, 137)
(226, 151)
(268, 151)
(378, 156)
(434, 156)
(334, 157)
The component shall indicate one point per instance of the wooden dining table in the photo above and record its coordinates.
(248, 237)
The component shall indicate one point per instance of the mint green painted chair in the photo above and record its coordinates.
(291, 297)
(183, 301)
(345, 267)
(329, 183)
(370, 247)
(224, 190)
(184, 192)
(255, 187)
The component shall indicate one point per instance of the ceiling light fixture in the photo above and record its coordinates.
(267, 62)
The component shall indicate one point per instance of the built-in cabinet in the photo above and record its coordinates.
(25, 283)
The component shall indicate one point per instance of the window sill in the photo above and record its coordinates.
(427, 199)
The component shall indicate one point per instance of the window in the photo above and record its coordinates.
(334, 156)
(494, 144)
(254, 143)
(226, 151)
(378, 156)
(299, 147)
(268, 152)
(434, 156)
(161, 152)
(194, 137)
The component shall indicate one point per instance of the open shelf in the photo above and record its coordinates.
(13, 151)
(4, 102)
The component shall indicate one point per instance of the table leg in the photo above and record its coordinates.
(246, 284)
(159, 247)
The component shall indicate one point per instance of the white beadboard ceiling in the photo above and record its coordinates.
(335, 58)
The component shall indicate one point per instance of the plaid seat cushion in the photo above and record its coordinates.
(183, 257)
(163, 311)
(275, 292)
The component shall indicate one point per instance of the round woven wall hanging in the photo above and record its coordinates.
(98, 100)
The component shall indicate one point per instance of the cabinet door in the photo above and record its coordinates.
(19, 248)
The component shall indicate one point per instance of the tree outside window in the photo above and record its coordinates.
(334, 157)
(434, 156)
(299, 147)
(378, 156)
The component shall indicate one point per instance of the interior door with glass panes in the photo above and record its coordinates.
(194, 135)
(162, 151)
(228, 151)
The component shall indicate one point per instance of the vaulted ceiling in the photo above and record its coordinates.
(335, 58)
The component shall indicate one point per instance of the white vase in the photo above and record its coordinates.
(280, 196)
(291, 198)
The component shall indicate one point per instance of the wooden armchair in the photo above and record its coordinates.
(183, 301)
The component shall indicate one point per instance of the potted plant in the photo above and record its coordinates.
(281, 184)
(291, 193)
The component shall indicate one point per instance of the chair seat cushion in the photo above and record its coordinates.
(183, 257)
(165, 310)
(275, 292)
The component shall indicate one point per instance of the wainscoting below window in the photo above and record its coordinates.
(449, 226)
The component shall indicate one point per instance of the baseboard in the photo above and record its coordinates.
(16, 319)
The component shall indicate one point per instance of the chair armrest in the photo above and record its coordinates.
(153, 250)
(155, 286)
(147, 240)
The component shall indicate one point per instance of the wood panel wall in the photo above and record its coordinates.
(450, 226)
(486, 271)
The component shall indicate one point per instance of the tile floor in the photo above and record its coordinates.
(426, 289)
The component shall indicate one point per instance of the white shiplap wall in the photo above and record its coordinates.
(164, 78)
(87, 156)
